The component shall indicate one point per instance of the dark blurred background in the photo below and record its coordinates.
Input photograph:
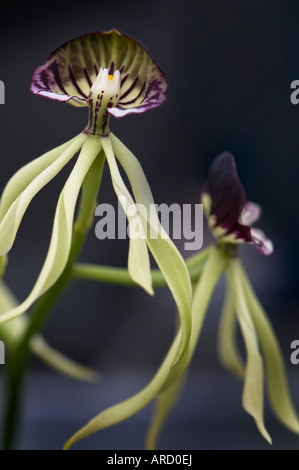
(229, 66)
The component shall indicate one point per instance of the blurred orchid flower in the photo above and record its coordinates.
(228, 213)
(230, 216)
(112, 75)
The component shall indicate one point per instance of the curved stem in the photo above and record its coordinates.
(120, 276)
(18, 361)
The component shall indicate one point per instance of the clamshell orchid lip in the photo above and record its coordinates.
(229, 214)
(70, 71)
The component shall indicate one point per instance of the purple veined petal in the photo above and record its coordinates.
(250, 213)
(239, 234)
(151, 103)
(226, 193)
(71, 70)
(261, 242)
(229, 214)
(64, 98)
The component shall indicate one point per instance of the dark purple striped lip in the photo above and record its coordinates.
(230, 214)
(71, 70)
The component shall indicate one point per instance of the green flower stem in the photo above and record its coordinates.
(199, 257)
(18, 360)
(120, 276)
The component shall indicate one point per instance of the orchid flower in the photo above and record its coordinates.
(112, 75)
(229, 216)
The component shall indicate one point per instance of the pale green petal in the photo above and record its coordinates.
(213, 269)
(62, 229)
(138, 261)
(59, 362)
(25, 175)
(163, 249)
(253, 394)
(12, 218)
(11, 332)
(164, 404)
(277, 383)
(227, 337)
(123, 410)
(192, 262)
(3, 263)
(167, 375)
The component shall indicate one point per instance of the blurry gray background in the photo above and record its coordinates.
(229, 66)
